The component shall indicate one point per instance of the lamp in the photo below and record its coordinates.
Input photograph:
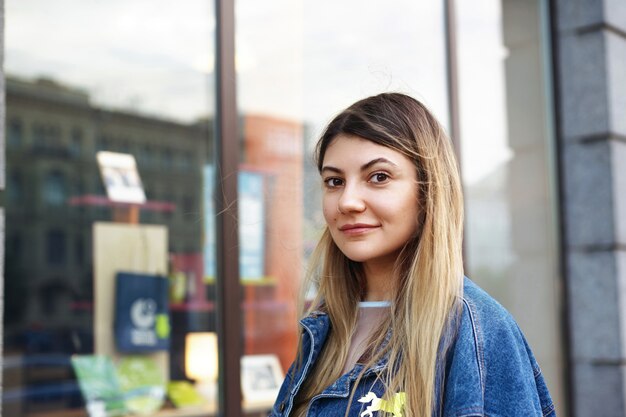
(201, 362)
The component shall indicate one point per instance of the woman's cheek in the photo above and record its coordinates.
(329, 214)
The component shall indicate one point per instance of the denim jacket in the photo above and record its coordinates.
(490, 371)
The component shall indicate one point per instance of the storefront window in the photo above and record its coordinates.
(136, 78)
(508, 172)
(298, 64)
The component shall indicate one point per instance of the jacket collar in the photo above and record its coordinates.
(317, 324)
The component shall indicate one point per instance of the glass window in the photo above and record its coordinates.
(39, 136)
(508, 174)
(14, 249)
(298, 64)
(145, 156)
(15, 188)
(15, 134)
(55, 189)
(55, 247)
(168, 158)
(125, 76)
(79, 251)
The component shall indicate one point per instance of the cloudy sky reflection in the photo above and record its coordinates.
(298, 60)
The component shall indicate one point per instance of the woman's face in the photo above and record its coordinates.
(369, 199)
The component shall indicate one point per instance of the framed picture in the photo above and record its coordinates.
(120, 177)
(261, 378)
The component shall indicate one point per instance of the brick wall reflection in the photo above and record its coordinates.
(274, 147)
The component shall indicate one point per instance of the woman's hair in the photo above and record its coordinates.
(429, 269)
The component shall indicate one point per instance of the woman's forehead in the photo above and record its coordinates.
(345, 150)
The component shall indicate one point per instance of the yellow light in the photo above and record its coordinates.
(201, 356)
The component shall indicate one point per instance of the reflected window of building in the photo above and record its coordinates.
(47, 136)
(187, 161)
(103, 143)
(125, 146)
(99, 186)
(79, 251)
(145, 156)
(14, 249)
(55, 297)
(187, 205)
(55, 189)
(167, 158)
(15, 133)
(79, 187)
(76, 142)
(39, 136)
(56, 250)
(15, 188)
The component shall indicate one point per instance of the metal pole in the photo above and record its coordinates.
(227, 160)
(452, 76)
(453, 91)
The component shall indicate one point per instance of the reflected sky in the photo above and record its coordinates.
(150, 56)
(482, 94)
(298, 60)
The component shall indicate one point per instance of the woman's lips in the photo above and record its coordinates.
(357, 229)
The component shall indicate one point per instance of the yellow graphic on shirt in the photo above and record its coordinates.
(394, 406)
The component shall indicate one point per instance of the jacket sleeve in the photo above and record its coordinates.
(491, 371)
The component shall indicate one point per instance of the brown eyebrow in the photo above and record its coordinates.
(363, 167)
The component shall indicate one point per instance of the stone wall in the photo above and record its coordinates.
(591, 62)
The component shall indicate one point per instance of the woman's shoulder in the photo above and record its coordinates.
(478, 303)
(490, 364)
(489, 327)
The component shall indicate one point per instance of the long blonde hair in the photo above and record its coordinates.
(429, 269)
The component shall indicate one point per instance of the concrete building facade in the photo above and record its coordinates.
(590, 40)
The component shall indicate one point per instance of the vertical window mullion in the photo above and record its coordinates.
(227, 160)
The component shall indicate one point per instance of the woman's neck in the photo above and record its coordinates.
(379, 279)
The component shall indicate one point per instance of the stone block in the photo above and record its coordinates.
(620, 257)
(616, 81)
(2, 252)
(588, 194)
(615, 13)
(574, 14)
(594, 307)
(598, 390)
(583, 75)
(618, 159)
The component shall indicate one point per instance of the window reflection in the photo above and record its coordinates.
(132, 77)
(511, 247)
(55, 247)
(14, 134)
(297, 65)
(55, 188)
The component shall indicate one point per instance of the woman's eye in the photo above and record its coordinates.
(333, 182)
(379, 177)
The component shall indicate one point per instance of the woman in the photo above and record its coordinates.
(395, 328)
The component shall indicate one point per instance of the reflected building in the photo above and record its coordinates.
(488, 224)
(55, 194)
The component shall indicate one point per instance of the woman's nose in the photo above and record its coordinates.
(351, 200)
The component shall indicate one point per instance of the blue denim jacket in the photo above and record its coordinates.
(490, 370)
